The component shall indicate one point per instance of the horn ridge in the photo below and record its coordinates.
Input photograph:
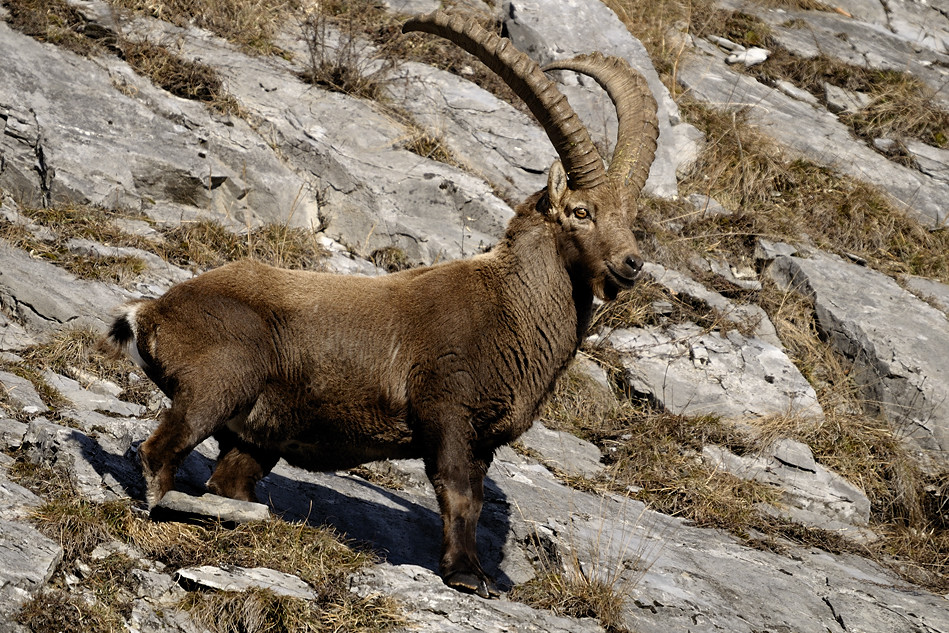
(638, 126)
(570, 138)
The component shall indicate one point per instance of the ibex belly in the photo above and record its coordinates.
(325, 430)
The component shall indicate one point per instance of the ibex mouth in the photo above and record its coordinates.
(615, 281)
(623, 277)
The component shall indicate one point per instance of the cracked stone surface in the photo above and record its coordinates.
(694, 372)
(900, 362)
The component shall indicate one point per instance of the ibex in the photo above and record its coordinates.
(444, 363)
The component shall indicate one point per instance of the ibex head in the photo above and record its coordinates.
(593, 206)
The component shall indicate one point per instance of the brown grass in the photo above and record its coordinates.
(52, 21)
(252, 25)
(207, 244)
(576, 596)
(181, 77)
(317, 555)
(785, 199)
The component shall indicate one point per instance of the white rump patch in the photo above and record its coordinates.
(131, 346)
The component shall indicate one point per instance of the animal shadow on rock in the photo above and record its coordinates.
(401, 529)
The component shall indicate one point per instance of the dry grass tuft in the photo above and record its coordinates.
(576, 596)
(52, 21)
(66, 612)
(207, 244)
(252, 25)
(182, 78)
(265, 612)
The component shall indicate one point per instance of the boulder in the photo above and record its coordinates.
(21, 394)
(898, 344)
(563, 451)
(694, 372)
(28, 560)
(238, 579)
(811, 494)
(183, 507)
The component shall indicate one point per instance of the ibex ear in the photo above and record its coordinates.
(556, 187)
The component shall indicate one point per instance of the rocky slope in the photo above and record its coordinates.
(89, 130)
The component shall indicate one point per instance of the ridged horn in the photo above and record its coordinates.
(570, 138)
(638, 127)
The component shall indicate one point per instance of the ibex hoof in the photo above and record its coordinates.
(468, 582)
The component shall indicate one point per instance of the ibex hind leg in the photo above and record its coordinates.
(186, 424)
(239, 467)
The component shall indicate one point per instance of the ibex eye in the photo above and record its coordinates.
(581, 213)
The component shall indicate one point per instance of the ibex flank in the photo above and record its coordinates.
(444, 363)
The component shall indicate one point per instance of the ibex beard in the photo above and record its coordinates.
(444, 363)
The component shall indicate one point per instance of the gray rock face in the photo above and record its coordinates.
(477, 127)
(235, 578)
(433, 610)
(45, 297)
(98, 474)
(21, 393)
(693, 372)
(563, 451)
(814, 496)
(27, 561)
(899, 345)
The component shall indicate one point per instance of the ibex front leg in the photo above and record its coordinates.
(458, 477)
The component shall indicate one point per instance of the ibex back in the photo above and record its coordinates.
(444, 363)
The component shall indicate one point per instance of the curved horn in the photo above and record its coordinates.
(638, 127)
(581, 161)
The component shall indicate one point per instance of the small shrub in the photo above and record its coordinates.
(341, 60)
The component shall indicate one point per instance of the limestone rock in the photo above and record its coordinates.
(432, 609)
(179, 506)
(814, 496)
(16, 502)
(927, 289)
(21, 393)
(235, 578)
(744, 315)
(89, 400)
(27, 561)
(98, 474)
(11, 434)
(899, 344)
(693, 372)
(44, 296)
(477, 127)
(565, 452)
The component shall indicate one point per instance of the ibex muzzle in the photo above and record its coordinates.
(444, 363)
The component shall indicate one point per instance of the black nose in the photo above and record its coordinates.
(634, 264)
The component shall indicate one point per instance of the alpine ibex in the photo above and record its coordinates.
(444, 363)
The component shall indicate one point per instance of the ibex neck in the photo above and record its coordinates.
(538, 279)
